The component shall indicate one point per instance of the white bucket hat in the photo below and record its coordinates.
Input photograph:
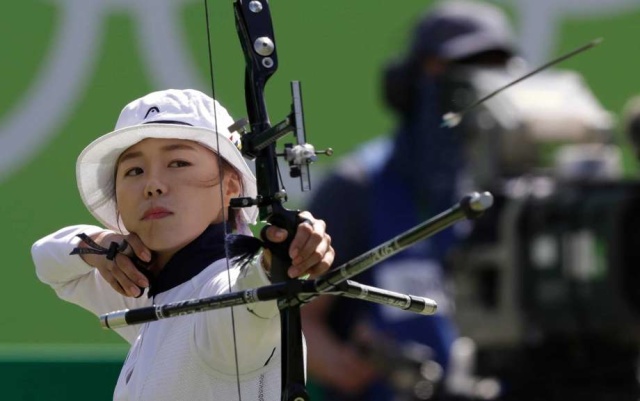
(176, 114)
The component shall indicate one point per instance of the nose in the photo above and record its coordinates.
(154, 188)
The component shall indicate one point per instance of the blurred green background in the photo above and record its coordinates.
(335, 48)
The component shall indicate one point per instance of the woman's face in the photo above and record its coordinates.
(168, 192)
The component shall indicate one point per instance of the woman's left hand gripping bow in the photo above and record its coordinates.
(310, 251)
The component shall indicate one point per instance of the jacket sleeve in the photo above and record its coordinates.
(76, 281)
(257, 325)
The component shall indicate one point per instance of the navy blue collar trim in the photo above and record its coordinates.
(189, 261)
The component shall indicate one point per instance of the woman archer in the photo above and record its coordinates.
(160, 183)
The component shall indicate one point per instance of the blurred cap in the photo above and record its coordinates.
(457, 29)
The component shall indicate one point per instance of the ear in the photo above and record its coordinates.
(232, 185)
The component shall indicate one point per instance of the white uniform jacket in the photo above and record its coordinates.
(186, 358)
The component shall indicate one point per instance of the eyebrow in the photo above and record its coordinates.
(166, 148)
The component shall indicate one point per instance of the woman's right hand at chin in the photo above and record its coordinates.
(121, 272)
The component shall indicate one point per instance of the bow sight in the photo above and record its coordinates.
(299, 156)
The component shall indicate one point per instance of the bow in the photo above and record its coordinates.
(255, 30)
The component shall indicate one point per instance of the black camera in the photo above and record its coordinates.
(546, 282)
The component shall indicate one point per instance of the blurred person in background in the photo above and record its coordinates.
(355, 347)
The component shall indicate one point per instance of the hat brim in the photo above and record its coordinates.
(95, 167)
(473, 44)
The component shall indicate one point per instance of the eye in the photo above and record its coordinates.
(179, 163)
(133, 172)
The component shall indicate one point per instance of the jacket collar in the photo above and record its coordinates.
(192, 259)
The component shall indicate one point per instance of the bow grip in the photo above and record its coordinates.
(280, 260)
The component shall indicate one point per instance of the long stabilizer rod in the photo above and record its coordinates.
(334, 282)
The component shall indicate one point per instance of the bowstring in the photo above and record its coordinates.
(221, 174)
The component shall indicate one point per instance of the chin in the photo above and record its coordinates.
(162, 242)
(169, 238)
(161, 245)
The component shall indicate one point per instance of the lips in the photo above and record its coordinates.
(156, 213)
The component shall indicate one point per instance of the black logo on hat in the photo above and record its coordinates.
(154, 109)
